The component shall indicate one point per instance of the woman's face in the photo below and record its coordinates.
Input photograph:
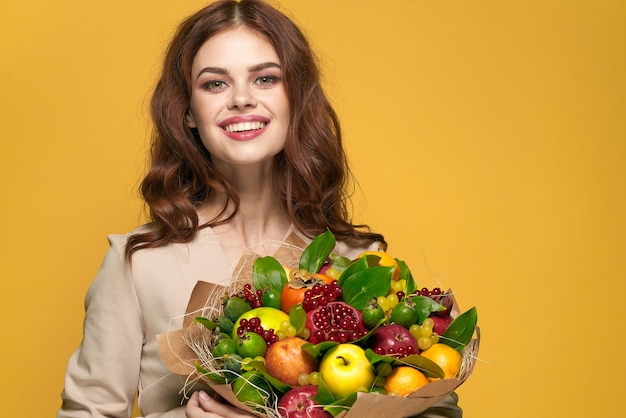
(238, 99)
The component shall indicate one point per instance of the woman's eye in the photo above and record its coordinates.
(266, 81)
(214, 85)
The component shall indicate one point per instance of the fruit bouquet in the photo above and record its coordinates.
(328, 337)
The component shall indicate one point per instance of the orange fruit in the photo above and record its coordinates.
(385, 260)
(446, 357)
(405, 380)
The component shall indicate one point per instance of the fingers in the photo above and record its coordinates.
(201, 405)
(193, 409)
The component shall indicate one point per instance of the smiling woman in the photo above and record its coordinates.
(487, 139)
(246, 150)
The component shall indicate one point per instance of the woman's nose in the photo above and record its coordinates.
(242, 98)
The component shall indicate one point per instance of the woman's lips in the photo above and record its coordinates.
(244, 128)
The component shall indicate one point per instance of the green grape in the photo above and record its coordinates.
(429, 322)
(415, 331)
(424, 343)
(382, 302)
(290, 331)
(314, 378)
(397, 286)
(393, 300)
(303, 379)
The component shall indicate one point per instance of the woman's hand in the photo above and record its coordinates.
(201, 405)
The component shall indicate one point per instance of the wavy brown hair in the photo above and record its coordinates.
(310, 176)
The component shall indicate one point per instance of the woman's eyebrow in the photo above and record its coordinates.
(263, 66)
(212, 70)
(251, 69)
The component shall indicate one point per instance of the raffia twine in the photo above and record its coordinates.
(199, 338)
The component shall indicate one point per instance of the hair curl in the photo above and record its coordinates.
(310, 176)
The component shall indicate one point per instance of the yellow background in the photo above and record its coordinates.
(488, 138)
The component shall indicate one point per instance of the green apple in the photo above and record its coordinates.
(270, 318)
(346, 370)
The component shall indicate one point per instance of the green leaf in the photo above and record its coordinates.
(268, 273)
(316, 253)
(361, 287)
(323, 396)
(341, 405)
(405, 273)
(277, 384)
(460, 330)
(297, 317)
(363, 340)
(259, 366)
(339, 262)
(355, 267)
(427, 366)
(376, 358)
(214, 376)
(425, 306)
(316, 350)
(208, 324)
(326, 398)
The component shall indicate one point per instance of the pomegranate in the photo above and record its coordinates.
(335, 321)
(393, 340)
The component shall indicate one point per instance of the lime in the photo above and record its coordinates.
(251, 387)
(225, 325)
(404, 314)
(271, 298)
(232, 366)
(226, 346)
(251, 344)
(372, 315)
(234, 307)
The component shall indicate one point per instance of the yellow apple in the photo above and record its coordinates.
(346, 370)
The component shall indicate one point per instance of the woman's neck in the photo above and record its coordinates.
(259, 218)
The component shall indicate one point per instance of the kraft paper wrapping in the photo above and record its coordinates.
(180, 358)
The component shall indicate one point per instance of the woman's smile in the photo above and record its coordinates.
(244, 128)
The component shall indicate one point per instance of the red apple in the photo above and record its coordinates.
(298, 403)
(393, 340)
(286, 361)
(441, 323)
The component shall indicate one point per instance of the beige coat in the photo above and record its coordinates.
(126, 308)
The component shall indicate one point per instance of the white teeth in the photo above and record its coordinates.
(244, 126)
